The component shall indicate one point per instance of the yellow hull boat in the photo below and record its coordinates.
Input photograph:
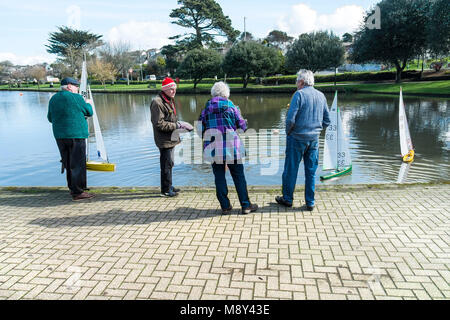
(100, 166)
(409, 157)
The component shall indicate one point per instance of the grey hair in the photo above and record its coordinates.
(220, 89)
(307, 76)
(65, 88)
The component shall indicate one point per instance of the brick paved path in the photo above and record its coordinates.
(381, 242)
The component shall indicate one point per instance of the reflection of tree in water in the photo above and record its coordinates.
(261, 111)
(375, 123)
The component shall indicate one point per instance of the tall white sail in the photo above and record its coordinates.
(336, 153)
(85, 91)
(330, 147)
(101, 150)
(83, 84)
(405, 137)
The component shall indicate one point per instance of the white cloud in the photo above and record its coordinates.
(25, 60)
(303, 19)
(74, 17)
(142, 34)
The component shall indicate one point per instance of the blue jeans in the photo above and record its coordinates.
(237, 173)
(295, 151)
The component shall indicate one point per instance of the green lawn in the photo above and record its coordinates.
(438, 88)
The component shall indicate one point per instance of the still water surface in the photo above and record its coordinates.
(29, 155)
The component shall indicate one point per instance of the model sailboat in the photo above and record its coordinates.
(336, 155)
(102, 163)
(406, 147)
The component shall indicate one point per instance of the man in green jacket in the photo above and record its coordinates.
(67, 111)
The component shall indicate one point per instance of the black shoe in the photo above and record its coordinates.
(280, 200)
(174, 189)
(309, 208)
(169, 194)
(227, 211)
(252, 208)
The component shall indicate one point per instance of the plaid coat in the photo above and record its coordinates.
(220, 120)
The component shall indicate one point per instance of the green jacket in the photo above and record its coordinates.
(67, 112)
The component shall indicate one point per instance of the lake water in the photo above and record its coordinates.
(29, 155)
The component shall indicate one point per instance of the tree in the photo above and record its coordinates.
(438, 30)
(102, 71)
(347, 37)
(172, 56)
(250, 58)
(207, 20)
(156, 66)
(402, 35)
(70, 45)
(117, 54)
(37, 72)
(200, 63)
(315, 51)
(278, 39)
(246, 36)
(18, 76)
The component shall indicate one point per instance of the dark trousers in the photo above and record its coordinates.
(237, 173)
(73, 157)
(166, 161)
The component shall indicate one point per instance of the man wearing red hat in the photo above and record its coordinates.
(165, 122)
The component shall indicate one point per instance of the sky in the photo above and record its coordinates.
(25, 25)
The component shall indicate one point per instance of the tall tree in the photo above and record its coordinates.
(70, 44)
(438, 31)
(315, 51)
(207, 20)
(402, 35)
(200, 63)
(250, 58)
(278, 39)
(172, 56)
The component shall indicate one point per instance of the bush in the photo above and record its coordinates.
(347, 76)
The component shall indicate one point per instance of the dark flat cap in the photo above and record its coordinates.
(66, 81)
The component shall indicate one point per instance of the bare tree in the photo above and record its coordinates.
(37, 72)
(102, 71)
(118, 54)
(18, 76)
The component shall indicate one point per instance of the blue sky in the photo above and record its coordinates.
(25, 25)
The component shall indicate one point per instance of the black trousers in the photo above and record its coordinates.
(73, 157)
(166, 161)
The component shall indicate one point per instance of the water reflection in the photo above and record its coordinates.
(29, 155)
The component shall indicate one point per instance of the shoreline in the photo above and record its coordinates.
(345, 88)
(255, 188)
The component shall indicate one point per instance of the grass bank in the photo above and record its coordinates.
(420, 88)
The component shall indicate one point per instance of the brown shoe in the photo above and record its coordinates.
(82, 196)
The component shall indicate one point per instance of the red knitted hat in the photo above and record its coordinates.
(168, 83)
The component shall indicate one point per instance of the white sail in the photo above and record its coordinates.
(336, 152)
(405, 137)
(101, 150)
(83, 84)
(85, 91)
(330, 147)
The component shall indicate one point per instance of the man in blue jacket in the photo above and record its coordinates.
(308, 115)
(67, 111)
